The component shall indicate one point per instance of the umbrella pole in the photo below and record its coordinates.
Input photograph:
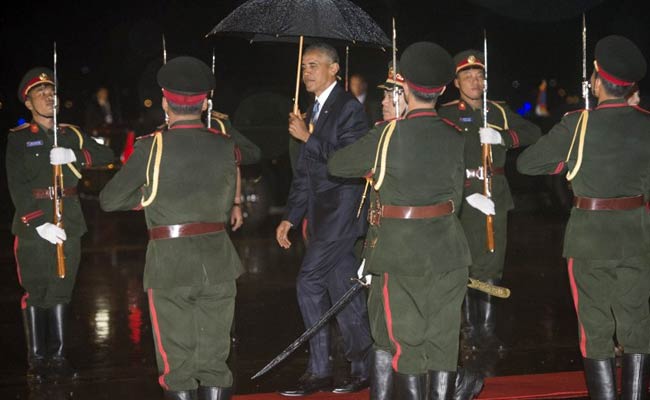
(296, 110)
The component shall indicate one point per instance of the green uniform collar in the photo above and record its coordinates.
(194, 123)
(616, 101)
(428, 112)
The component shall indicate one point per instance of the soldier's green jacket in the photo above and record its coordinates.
(616, 163)
(515, 132)
(28, 167)
(196, 184)
(424, 167)
(250, 153)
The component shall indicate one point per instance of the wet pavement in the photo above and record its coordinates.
(110, 333)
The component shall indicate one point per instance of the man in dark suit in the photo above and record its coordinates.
(330, 206)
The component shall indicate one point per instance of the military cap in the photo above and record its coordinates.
(427, 67)
(619, 61)
(469, 59)
(392, 79)
(185, 80)
(34, 77)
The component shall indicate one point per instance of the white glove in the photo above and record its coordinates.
(481, 203)
(51, 233)
(360, 272)
(62, 155)
(490, 136)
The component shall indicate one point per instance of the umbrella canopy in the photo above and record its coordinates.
(287, 20)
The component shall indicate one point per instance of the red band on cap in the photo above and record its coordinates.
(37, 80)
(611, 78)
(184, 99)
(466, 64)
(425, 89)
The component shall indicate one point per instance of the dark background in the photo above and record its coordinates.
(118, 44)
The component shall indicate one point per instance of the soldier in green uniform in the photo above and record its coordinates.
(30, 157)
(415, 250)
(606, 151)
(394, 85)
(506, 130)
(185, 180)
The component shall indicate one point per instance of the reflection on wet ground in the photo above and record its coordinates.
(111, 341)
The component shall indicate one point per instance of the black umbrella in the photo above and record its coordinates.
(293, 20)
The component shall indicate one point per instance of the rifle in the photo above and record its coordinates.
(209, 118)
(57, 183)
(585, 82)
(487, 156)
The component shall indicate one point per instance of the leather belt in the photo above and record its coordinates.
(616, 203)
(48, 193)
(410, 212)
(183, 230)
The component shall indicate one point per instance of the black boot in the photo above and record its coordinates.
(214, 393)
(60, 368)
(35, 324)
(442, 385)
(381, 375)
(601, 378)
(468, 384)
(180, 395)
(486, 321)
(634, 382)
(410, 387)
(468, 328)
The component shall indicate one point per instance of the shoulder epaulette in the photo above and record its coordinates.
(643, 110)
(152, 134)
(448, 122)
(573, 112)
(218, 132)
(20, 127)
(217, 114)
(451, 103)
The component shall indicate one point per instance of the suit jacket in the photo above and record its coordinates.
(329, 203)
(616, 163)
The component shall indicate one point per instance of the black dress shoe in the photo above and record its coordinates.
(309, 384)
(355, 384)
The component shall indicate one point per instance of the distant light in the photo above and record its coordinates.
(21, 121)
(525, 109)
(85, 70)
(0, 105)
(148, 103)
(515, 84)
(68, 104)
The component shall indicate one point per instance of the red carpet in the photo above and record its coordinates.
(560, 385)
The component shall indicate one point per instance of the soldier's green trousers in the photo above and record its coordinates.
(485, 265)
(36, 269)
(611, 296)
(191, 329)
(417, 319)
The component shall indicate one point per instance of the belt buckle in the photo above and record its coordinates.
(374, 213)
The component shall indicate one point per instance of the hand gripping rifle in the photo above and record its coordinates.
(57, 183)
(486, 156)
